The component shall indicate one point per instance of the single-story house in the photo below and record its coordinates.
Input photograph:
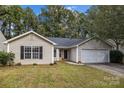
(31, 47)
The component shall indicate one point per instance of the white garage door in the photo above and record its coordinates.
(94, 56)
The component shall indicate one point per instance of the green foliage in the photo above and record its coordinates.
(30, 20)
(16, 20)
(107, 22)
(35, 64)
(53, 21)
(6, 58)
(11, 57)
(57, 21)
(62, 75)
(3, 58)
(116, 56)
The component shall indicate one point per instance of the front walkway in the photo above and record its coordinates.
(73, 63)
(115, 69)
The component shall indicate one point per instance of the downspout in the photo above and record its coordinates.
(52, 54)
(77, 53)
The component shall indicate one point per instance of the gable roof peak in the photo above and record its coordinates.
(26, 33)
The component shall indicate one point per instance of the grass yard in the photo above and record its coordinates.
(58, 75)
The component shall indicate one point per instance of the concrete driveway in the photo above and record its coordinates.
(115, 69)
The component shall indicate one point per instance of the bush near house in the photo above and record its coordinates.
(116, 56)
(6, 58)
(18, 64)
(11, 57)
(35, 64)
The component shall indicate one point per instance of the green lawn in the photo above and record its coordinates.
(58, 75)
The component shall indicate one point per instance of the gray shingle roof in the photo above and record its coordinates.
(66, 41)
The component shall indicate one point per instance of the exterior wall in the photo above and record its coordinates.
(2, 45)
(32, 40)
(92, 44)
(73, 54)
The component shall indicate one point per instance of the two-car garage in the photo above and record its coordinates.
(94, 51)
(94, 55)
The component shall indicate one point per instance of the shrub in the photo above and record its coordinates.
(34, 64)
(116, 56)
(18, 64)
(11, 57)
(6, 58)
(3, 58)
(51, 64)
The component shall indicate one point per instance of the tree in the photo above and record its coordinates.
(50, 18)
(30, 20)
(3, 10)
(15, 20)
(5, 18)
(107, 22)
(11, 19)
(61, 22)
(53, 21)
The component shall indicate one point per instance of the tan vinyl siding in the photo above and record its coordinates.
(73, 54)
(31, 40)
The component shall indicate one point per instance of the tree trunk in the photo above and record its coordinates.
(9, 33)
(117, 45)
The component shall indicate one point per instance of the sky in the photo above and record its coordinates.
(80, 8)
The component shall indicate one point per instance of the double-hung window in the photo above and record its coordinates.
(27, 52)
(31, 52)
(36, 52)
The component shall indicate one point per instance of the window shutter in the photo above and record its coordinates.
(41, 52)
(22, 52)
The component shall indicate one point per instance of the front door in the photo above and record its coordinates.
(65, 54)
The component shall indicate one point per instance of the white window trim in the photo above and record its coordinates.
(33, 52)
(26, 52)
